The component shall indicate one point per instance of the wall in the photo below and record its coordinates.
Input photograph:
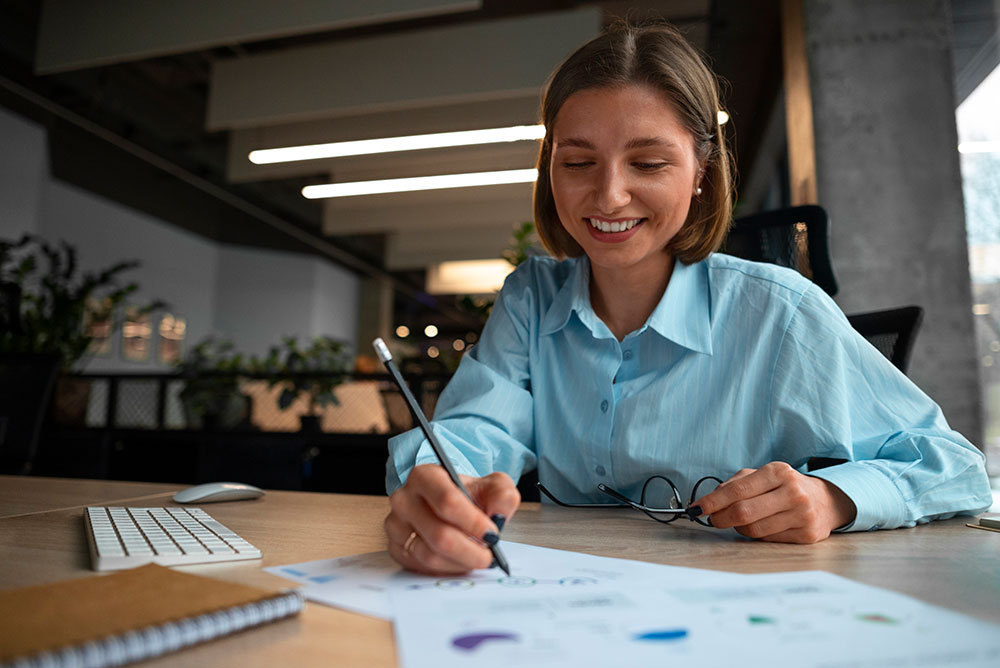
(263, 296)
(24, 169)
(336, 304)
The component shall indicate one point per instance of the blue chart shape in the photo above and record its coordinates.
(471, 641)
(663, 635)
(320, 579)
(292, 571)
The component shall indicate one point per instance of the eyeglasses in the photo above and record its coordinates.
(653, 485)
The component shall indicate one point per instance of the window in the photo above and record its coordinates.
(978, 118)
(136, 334)
(171, 341)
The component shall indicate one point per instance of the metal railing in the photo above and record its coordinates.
(366, 404)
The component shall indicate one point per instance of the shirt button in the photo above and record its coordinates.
(604, 406)
(599, 470)
(627, 355)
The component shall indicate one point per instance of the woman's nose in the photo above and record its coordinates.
(612, 190)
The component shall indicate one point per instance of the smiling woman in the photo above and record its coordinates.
(638, 353)
(623, 174)
(646, 71)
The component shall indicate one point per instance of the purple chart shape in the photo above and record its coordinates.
(471, 641)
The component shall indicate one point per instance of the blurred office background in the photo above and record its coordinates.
(126, 129)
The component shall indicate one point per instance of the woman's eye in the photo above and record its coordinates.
(576, 165)
(649, 166)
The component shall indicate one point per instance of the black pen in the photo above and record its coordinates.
(386, 357)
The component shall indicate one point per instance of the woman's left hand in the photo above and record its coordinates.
(777, 503)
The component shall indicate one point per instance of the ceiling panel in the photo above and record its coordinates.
(85, 33)
(436, 212)
(490, 60)
(417, 249)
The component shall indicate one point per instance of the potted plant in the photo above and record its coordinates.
(46, 302)
(313, 371)
(211, 396)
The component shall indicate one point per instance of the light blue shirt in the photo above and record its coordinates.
(740, 364)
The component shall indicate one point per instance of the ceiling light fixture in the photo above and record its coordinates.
(391, 144)
(979, 147)
(414, 183)
(467, 277)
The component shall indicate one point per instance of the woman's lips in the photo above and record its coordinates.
(627, 228)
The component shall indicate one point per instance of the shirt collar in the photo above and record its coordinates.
(682, 316)
(684, 313)
(574, 295)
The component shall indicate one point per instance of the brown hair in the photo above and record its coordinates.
(657, 56)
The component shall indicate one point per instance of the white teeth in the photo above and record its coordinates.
(622, 226)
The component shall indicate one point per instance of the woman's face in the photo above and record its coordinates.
(623, 174)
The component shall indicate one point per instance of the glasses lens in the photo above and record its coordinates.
(659, 492)
(704, 486)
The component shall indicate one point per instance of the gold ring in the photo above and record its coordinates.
(408, 545)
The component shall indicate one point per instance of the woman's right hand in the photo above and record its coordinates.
(434, 528)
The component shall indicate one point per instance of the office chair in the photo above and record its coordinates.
(26, 383)
(892, 331)
(796, 237)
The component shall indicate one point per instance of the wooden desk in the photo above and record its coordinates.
(945, 562)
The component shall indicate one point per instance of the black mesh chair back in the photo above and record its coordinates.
(797, 237)
(892, 331)
(26, 383)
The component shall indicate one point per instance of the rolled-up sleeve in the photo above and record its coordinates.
(484, 419)
(834, 395)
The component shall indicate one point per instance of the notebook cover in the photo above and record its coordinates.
(52, 616)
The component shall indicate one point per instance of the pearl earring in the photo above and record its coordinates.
(697, 191)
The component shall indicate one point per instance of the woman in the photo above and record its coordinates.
(636, 352)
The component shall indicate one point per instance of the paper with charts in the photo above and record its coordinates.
(570, 609)
(362, 582)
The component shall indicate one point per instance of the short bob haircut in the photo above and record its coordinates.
(658, 56)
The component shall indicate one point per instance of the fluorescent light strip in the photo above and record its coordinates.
(979, 147)
(420, 183)
(391, 144)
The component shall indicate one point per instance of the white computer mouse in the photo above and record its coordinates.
(211, 492)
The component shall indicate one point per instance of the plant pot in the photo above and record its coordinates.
(70, 401)
(310, 424)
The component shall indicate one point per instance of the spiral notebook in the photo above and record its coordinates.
(127, 616)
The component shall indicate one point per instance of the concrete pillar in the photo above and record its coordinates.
(374, 319)
(888, 174)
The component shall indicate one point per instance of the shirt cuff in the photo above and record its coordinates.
(458, 462)
(411, 449)
(878, 503)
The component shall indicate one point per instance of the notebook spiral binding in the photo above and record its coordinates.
(155, 640)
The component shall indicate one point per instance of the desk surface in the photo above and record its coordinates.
(42, 540)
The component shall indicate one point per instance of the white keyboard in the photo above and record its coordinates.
(128, 537)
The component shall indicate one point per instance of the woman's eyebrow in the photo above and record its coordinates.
(574, 142)
(647, 142)
(638, 142)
